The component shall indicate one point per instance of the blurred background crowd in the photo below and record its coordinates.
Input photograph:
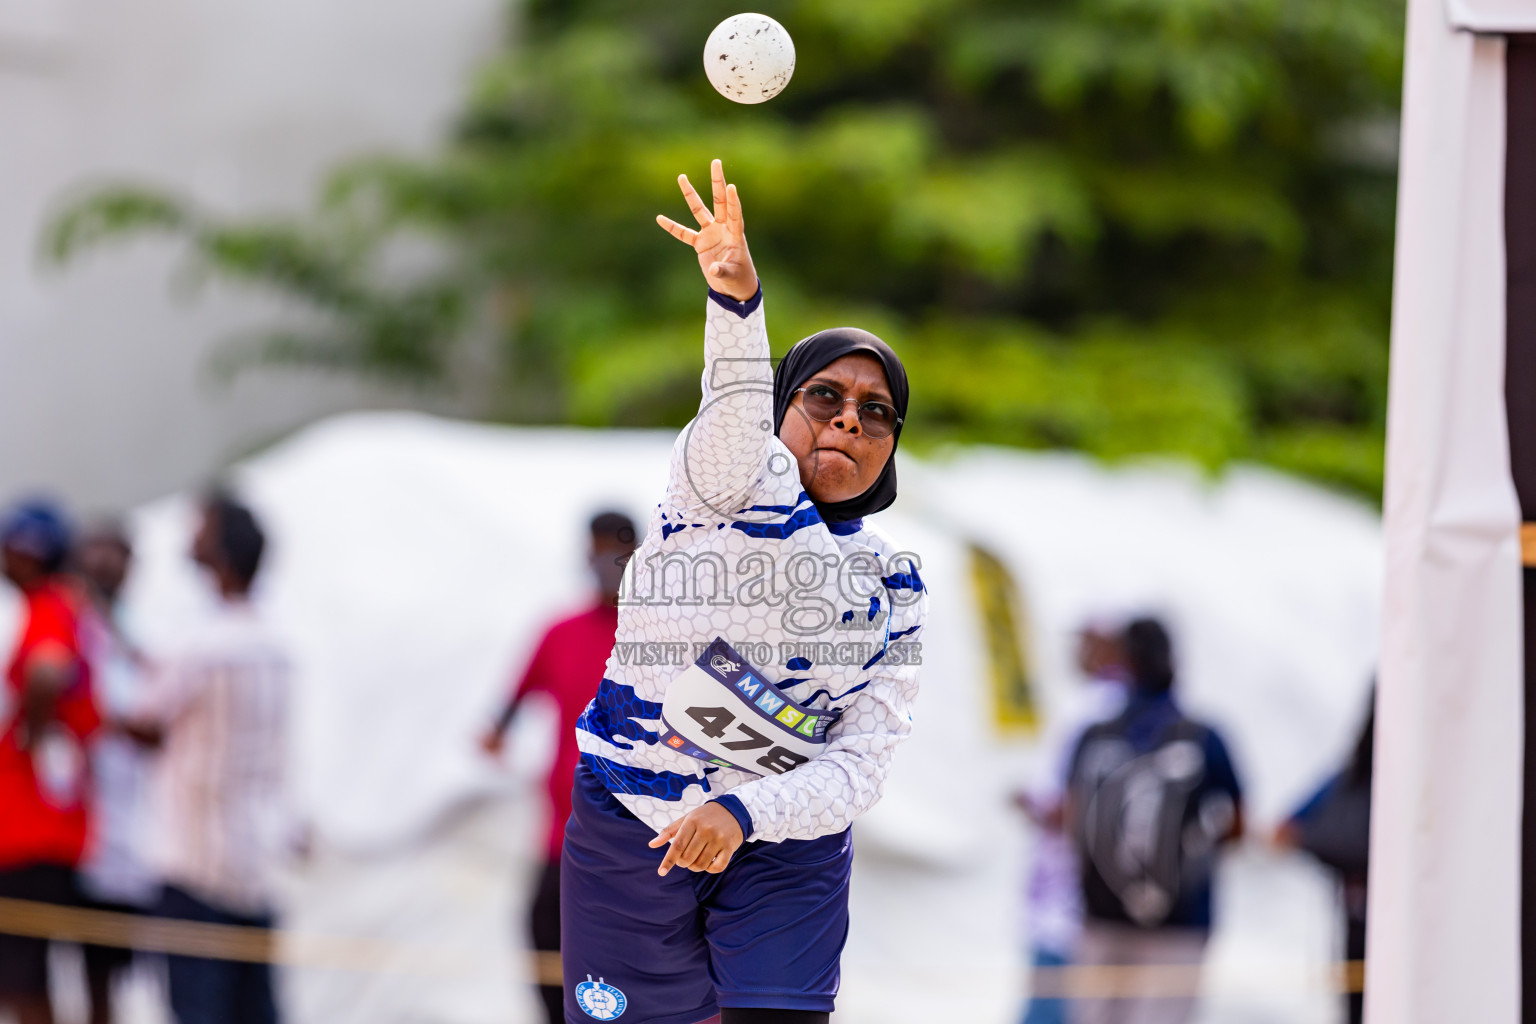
(158, 779)
(298, 700)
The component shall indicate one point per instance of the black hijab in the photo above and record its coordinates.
(812, 355)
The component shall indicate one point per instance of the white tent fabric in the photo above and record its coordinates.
(415, 560)
(1445, 869)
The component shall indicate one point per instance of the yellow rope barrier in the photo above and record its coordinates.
(219, 941)
(297, 949)
(1170, 980)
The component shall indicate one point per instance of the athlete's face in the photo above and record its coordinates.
(838, 460)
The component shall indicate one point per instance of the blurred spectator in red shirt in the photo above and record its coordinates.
(566, 668)
(47, 715)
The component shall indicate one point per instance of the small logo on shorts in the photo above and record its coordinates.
(598, 1000)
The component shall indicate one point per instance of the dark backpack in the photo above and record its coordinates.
(1146, 825)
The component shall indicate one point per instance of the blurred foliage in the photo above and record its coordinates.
(1122, 226)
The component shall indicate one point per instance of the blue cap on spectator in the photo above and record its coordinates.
(37, 528)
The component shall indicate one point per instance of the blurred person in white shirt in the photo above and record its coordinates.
(1054, 899)
(114, 876)
(217, 714)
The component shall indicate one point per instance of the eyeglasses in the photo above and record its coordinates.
(824, 403)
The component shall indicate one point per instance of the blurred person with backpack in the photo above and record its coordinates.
(48, 716)
(1152, 797)
(1334, 826)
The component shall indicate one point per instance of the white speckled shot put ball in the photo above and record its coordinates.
(749, 58)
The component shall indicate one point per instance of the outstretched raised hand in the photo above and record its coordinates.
(721, 241)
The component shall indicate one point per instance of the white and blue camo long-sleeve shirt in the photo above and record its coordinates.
(831, 613)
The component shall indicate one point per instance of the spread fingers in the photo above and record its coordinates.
(717, 187)
(700, 211)
(676, 230)
(733, 210)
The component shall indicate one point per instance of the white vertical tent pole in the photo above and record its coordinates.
(1443, 941)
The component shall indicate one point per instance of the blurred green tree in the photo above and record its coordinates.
(1122, 226)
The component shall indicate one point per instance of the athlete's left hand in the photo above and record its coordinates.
(704, 839)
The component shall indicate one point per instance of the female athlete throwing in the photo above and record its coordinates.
(762, 676)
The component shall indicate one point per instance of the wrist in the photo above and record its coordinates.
(740, 294)
(741, 307)
(732, 803)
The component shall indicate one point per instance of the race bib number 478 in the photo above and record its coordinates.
(724, 711)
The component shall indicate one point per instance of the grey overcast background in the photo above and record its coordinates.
(105, 394)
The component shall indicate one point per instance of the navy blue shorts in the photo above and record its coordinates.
(765, 932)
